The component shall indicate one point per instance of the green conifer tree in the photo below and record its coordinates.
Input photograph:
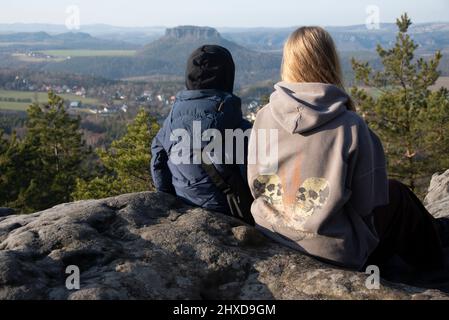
(398, 103)
(12, 169)
(5, 163)
(126, 162)
(44, 166)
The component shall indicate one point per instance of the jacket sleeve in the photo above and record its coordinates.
(162, 177)
(369, 182)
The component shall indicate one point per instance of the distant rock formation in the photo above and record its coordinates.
(168, 56)
(152, 246)
(192, 32)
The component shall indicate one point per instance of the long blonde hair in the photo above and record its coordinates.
(310, 56)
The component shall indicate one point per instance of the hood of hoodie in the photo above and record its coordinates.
(302, 107)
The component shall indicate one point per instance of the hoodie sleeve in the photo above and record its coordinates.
(162, 177)
(369, 182)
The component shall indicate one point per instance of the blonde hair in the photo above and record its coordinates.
(310, 55)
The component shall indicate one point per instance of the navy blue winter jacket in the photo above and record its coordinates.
(216, 110)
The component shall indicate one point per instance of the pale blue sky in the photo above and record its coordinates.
(224, 13)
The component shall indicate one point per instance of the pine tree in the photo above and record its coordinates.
(46, 164)
(11, 159)
(411, 120)
(4, 167)
(3, 143)
(126, 162)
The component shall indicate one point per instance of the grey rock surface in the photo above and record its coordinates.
(151, 246)
(437, 199)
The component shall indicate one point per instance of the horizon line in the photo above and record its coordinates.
(216, 27)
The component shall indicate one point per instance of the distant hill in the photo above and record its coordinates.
(168, 55)
(93, 29)
(352, 41)
(257, 51)
(349, 38)
(135, 35)
(174, 48)
(69, 40)
(430, 36)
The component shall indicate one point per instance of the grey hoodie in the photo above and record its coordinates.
(330, 174)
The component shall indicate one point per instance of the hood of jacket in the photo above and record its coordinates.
(210, 67)
(302, 107)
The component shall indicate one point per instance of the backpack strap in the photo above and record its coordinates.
(217, 179)
(235, 189)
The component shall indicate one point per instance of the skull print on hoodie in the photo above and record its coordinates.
(329, 175)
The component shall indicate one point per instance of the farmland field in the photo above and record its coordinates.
(33, 96)
(89, 53)
(26, 58)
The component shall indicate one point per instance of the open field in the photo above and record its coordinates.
(89, 53)
(35, 96)
(61, 55)
(26, 58)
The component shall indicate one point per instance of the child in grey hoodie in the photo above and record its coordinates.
(325, 191)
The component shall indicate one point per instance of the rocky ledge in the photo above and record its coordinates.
(151, 246)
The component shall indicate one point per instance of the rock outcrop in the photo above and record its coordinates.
(437, 199)
(151, 246)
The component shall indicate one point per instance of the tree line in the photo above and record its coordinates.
(51, 164)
